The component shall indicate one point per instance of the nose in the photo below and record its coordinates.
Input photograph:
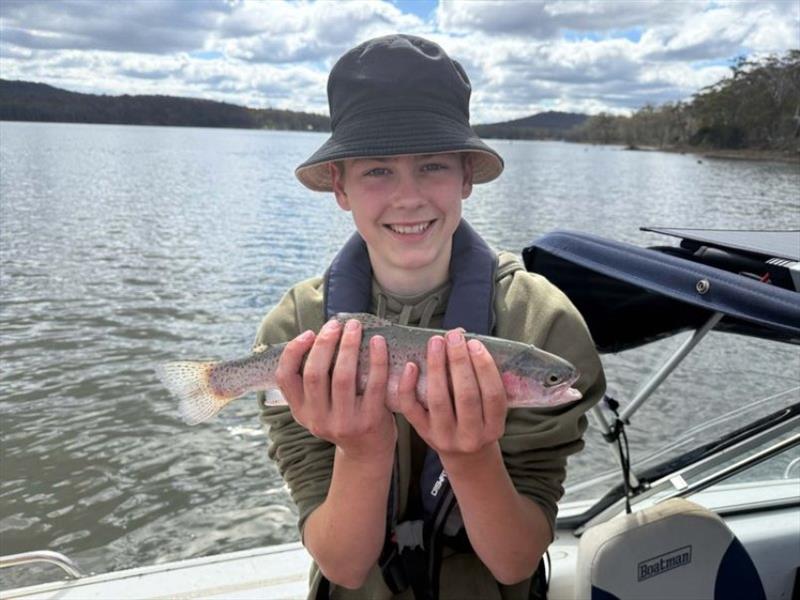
(407, 192)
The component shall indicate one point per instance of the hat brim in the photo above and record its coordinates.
(398, 133)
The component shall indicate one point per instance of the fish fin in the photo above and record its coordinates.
(258, 349)
(190, 383)
(368, 321)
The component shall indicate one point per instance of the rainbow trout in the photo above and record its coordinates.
(531, 377)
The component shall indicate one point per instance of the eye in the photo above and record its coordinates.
(377, 172)
(553, 379)
(434, 167)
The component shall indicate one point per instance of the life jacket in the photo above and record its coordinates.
(413, 548)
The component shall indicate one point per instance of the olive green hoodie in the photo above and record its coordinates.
(535, 445)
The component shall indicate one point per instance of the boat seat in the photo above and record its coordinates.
(675, 549)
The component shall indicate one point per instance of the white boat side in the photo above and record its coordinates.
(270, 573)
(281, 572)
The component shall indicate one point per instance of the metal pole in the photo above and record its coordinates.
(740, 466)
(633, 481)
(55, 558)
(601, 420)
(669, 366)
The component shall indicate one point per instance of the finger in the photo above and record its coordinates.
(374, 398)
(287, 375)
(408, 404)
(440, 404)
(466, 393)
(493, 393)
(316, 374)
(343, 378)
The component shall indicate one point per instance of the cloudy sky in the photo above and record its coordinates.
(523, 57)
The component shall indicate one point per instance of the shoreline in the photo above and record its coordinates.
(754, 154)
(743, 154)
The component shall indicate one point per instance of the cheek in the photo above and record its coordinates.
(449, 204)
(365, 213)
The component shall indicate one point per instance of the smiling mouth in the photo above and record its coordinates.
(410, 229)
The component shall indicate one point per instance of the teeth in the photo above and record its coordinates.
(410, 228)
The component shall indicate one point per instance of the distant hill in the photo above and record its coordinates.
(27, 101)
(546, 125)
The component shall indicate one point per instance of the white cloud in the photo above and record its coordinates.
(528, 18)
(545, 20)
(775, 35)
(522, 57)
(297, 32)
(715, 33)
(10, 51)
(145, 26)
(605, 15)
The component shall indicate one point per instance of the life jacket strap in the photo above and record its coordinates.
(412, 551)
(407, 562)
(410, 535)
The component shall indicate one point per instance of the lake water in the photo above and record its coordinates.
(121, 247)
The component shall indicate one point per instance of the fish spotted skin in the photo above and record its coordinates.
(531, 377)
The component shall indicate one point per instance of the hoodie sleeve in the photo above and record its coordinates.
(304, 461)
(536, 443)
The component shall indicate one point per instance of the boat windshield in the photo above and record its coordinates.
(730, 387)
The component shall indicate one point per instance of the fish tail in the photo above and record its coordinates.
(190, 383)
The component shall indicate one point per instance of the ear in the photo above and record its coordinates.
(337, 182)
(466, 183)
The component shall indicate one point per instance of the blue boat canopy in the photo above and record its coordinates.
(631, 295)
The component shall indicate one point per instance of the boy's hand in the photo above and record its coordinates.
(462, 424)
(323, 397)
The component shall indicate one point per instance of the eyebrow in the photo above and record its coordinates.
(386, 159)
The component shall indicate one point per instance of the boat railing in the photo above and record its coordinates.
(651, 385)
(787, 472)
(717, 464)
(740, 466)
(48, 556)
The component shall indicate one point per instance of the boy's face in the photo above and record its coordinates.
(406, 208)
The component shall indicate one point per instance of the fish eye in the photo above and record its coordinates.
(553, 379)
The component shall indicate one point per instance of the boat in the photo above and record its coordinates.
(708, 515)
(713, 513)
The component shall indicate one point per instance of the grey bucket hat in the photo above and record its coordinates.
(398, 95)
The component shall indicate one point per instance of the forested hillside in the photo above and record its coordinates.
(26, 101)
(756, 107)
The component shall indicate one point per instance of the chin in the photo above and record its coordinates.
(416, 260)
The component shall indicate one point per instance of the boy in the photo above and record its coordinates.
(457, 500)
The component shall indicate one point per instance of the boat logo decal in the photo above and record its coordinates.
(662, 563)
